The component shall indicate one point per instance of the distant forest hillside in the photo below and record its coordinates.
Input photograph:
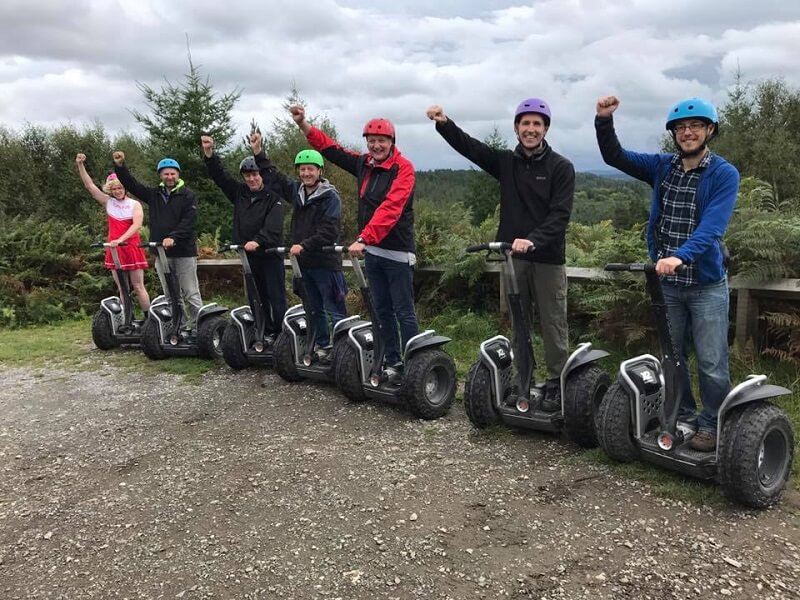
(624, 201)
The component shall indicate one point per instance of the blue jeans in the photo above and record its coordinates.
(698, 314)
(325, 293)
(392, 286)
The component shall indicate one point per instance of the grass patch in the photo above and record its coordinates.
(64, 342)
(69, 343)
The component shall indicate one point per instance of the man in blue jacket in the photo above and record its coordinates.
(694, 192)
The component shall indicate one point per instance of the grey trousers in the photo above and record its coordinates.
(185, 267)
(543, 289)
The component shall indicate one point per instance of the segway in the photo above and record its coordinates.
(245, 342)
(296, 357)
(113, 324)
(638, 419)
(428, 381)
(501, 386)
(164, 334)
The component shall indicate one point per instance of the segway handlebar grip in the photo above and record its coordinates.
(149, 244)
(336, 248)
(227, 248)
(490, 246)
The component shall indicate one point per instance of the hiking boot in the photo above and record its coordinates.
(552, 398)
(704, 441)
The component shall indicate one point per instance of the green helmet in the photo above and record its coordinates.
(309, 157)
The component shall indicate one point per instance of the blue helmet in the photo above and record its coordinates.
(167, 163)
(693, 108)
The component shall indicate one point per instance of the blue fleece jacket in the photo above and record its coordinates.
(716, 197)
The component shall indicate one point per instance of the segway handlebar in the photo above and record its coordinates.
(638, 267)
(490, 246)
(338, 248)
(237, 247)
(106, 244)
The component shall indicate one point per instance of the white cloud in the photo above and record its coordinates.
(354, 59)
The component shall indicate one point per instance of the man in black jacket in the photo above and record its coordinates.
(172, 216)
(536, 194)
(258, 224)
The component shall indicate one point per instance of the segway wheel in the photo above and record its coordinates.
(429, 384)
(232, 350)
(336, 354)
(348, 374)
(758, 450)
(614, 426)
(151, 341)
(283, 357)
(479, 397)
(209, 337)
(102, 331)
(585, 389)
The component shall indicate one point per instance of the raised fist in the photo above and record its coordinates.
(208, 145)
(606, 105)
(436, 113)
(298, 113)
(80, 159)
(119, 158)
(255, 142)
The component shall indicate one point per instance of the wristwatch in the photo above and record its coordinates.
(360, 240)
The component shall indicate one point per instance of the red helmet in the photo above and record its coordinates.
(379, 127)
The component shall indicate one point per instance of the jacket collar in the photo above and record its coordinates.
(520, 153)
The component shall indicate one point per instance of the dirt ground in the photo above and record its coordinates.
(120, 484)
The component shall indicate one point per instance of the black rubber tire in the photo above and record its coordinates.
(761, 438)
(479, 400)
(103, 332)
(151, 341)
(232, 350)
(429, 383)
(585, 389)
(283, 358)
(209, 337)
(614, 426)
(348, 374)
(336, 354)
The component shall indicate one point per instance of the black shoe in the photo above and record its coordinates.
(323, 353)
(394, 373)
(552, 398)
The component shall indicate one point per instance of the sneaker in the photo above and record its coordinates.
(394, 373)
(704, 441)
(552, 397)
(688, 429)
(323, 353)
(269, 339)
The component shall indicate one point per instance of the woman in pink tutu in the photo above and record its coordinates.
(125, 218)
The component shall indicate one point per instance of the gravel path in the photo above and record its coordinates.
(116, 484)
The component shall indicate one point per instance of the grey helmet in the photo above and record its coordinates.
(248, 164)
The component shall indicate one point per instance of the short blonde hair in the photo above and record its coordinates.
(111, 182)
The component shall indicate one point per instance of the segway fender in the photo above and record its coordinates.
(211, 309)
(752, 389)
(111, 305)
(426, 339)
(348, 323)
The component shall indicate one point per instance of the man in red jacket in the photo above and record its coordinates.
(386, 224)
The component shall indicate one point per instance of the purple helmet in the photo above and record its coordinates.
(533, 105)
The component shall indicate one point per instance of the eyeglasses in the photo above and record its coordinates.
(693, 126)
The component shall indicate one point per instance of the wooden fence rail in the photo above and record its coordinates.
(748, 293)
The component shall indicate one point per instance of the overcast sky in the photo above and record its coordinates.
(355, 59)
